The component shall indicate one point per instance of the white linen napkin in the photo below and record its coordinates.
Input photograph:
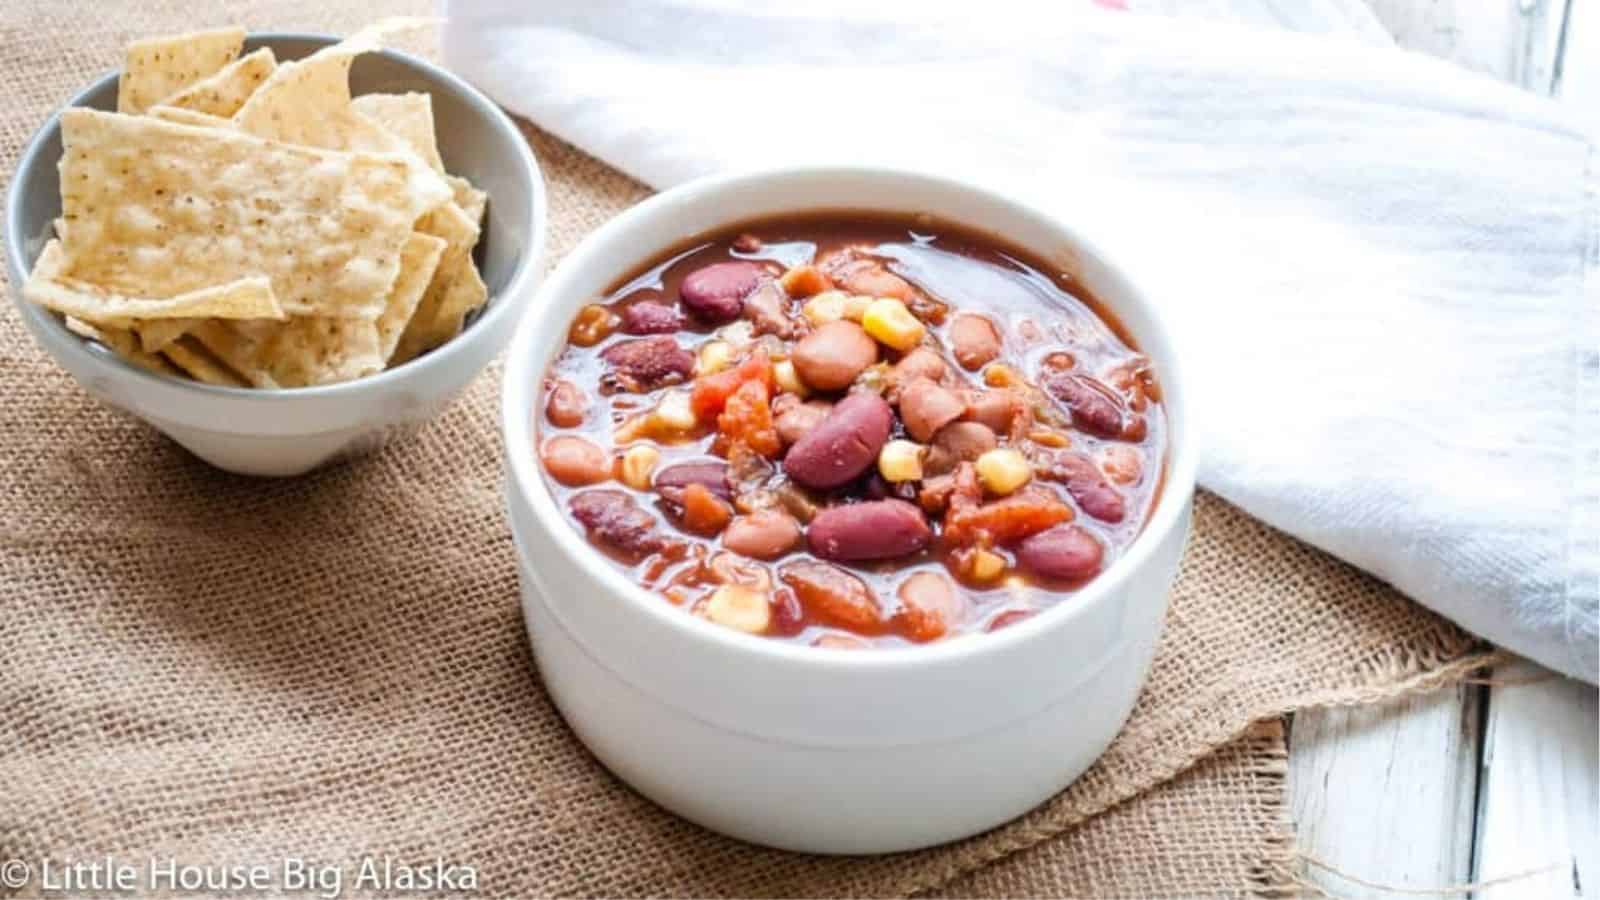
(1382, 270)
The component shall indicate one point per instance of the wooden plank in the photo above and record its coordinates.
(1512, 40)
(1540, 800)
(1387, 793)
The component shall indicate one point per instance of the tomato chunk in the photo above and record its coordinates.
(711, 392)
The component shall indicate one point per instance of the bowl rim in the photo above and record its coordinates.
(495, 311)
(524, 371)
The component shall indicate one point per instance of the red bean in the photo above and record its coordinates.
(716, 292)
(713, 475)
(1085, 482)
(1068, 552)
(832, 596)
(974, 341)
(831, 357)
(763, 534)
(648, 363)
(1095, 407)
(877, 529)
(649, 317)
(613, 518)
(926, 407)
(844, 445)
(574, 461)
(567, 406)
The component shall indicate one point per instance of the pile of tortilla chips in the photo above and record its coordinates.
(247, 222)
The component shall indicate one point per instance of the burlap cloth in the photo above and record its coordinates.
(220, 669)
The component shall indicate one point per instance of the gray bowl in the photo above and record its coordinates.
(291, 430)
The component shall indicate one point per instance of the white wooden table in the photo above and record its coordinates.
(1482, 781)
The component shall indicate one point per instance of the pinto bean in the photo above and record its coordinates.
(716, 292)
(1121, 463)
(613, 519)
(1095, 407)
(832, 596)
(574, 461)
(649, 317)
(797, 419)
(925, 407)
(974, 341)
(919, 363)
(767, 308)
(831, 357)
(713, 475)
(876, 529)
(764, 534)
(930, 607)
(1000, 409)
(844, 445)
(567, 406)
(965, 440)
(645, 364)
(1068, 552)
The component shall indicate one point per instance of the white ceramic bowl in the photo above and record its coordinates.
(820, 750)
(286, 432)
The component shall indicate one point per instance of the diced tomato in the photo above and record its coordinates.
(747, 419)
(703, 511)
(711, 392)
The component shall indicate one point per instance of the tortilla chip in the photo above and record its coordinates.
(52, 286)
(160, 209)
(308, 101)
(157, 68)
(304, 351)
(192, 358)
(156, 334)
(121, 342)
(408, 117)
(223, 93)
(419, 259)
(188, 117)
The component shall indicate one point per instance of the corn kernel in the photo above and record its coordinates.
(1003, 470)
(888, 320)
(740, 607)
(855, 307)
(900, 460)
(593, 324)
(1001, 375)
(788, 379)
(1047, 438)
(714, 357)
(638, 464)
(825, 307)
(987, 565)
(674, 412)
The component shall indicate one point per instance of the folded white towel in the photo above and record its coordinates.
(1383, 270)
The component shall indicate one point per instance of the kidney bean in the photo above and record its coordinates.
(716, 292)
(649, 317)
(832, 596)
(925, 407)
(974, 341)
(645, 364)
(930, 607)
(797, 418)
(567, 405)
(1000, 409)
(713, 475)
(612, 518)
(1068, 552)
(574, 461)
(1084, 482)
(764, 534)
(876, 529)
(831, 357)
(844, 445)
(1095, 407)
